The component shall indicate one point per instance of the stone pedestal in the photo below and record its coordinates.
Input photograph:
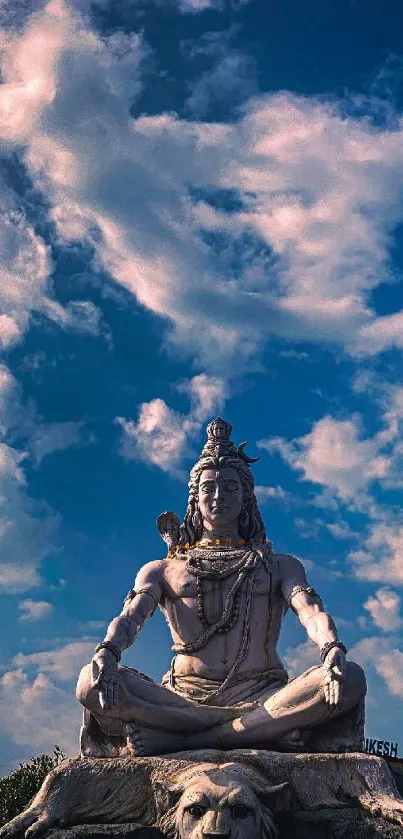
(332, 796)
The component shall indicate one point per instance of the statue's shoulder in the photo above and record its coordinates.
(151, 572)
(289, 565)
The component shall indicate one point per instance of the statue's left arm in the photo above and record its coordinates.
(307, 604)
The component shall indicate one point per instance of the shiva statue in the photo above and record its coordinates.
(224, 592)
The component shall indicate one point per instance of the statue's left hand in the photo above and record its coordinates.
(334, 671)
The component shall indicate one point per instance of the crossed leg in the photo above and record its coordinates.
(300, 704)
(155, 720)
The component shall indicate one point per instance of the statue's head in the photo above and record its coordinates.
(222, 801)
(222, 488)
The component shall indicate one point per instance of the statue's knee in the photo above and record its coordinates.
(356, 682)
(84, 685)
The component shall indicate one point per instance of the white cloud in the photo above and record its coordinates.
(198, 6)
(308, 529)
(381, 559)
(24, 271)
(162, 437)
(63, 664)
(34, 610)
(263, 493)
(9, 397)
(384, 333)
(333, 455)
(384, 656)
(230, 77)
(26, 526)
(39, 713)
(56, 436)
(206, 393)
(380, 657)
(320, 192)
(384, 608)
(158, 437)
(337, 455)
(341, 530)
(301, 658)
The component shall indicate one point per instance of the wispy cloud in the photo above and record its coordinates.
(230, 78)
(34, 610)
(298, 659)
(319, 195)
(385, 657)
(43, 713)
(384, 608)
(264, 493)
(56, 436)
(333, 455)
(163, 437)
(381, 558)
(63, 664)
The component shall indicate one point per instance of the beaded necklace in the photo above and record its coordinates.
(230, 611)
(249, 569)
(219, 569)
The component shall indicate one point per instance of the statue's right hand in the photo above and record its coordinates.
(105, 677)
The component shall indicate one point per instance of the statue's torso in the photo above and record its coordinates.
(182, 610)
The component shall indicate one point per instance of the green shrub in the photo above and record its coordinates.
(17, 789)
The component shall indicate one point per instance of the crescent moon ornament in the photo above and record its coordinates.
(243, 455)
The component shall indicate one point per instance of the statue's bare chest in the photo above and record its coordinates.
(181, 584)
(194, 603)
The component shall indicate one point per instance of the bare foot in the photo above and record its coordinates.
(293, 741)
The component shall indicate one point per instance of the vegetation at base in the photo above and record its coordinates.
(17, 789)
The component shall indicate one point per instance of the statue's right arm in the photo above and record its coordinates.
(139, 605)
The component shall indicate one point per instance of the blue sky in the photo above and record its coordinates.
(202, 208)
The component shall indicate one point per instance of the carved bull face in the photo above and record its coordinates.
(218, 803)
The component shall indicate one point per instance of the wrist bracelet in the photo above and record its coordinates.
(329, 646)
(107, 645)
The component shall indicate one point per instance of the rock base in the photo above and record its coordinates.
(330, 796)
(336, 824)
(101, 831)
(349, 823)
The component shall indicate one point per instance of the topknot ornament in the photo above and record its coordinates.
(219, 443)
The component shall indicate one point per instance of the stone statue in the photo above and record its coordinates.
(224, 592)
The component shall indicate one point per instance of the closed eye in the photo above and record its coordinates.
(240, 811)
(196, 811)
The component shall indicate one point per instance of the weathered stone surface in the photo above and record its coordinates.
(336, 824)
(116, 790)
(322, 824)
(101, 831)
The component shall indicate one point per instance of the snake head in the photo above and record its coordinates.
(169, 528)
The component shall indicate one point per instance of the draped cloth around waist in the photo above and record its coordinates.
(244, 689)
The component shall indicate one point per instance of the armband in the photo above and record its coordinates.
(133, 592)
(306, 589)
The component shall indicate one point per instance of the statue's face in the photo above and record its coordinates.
(219, 430)
(220, 496)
